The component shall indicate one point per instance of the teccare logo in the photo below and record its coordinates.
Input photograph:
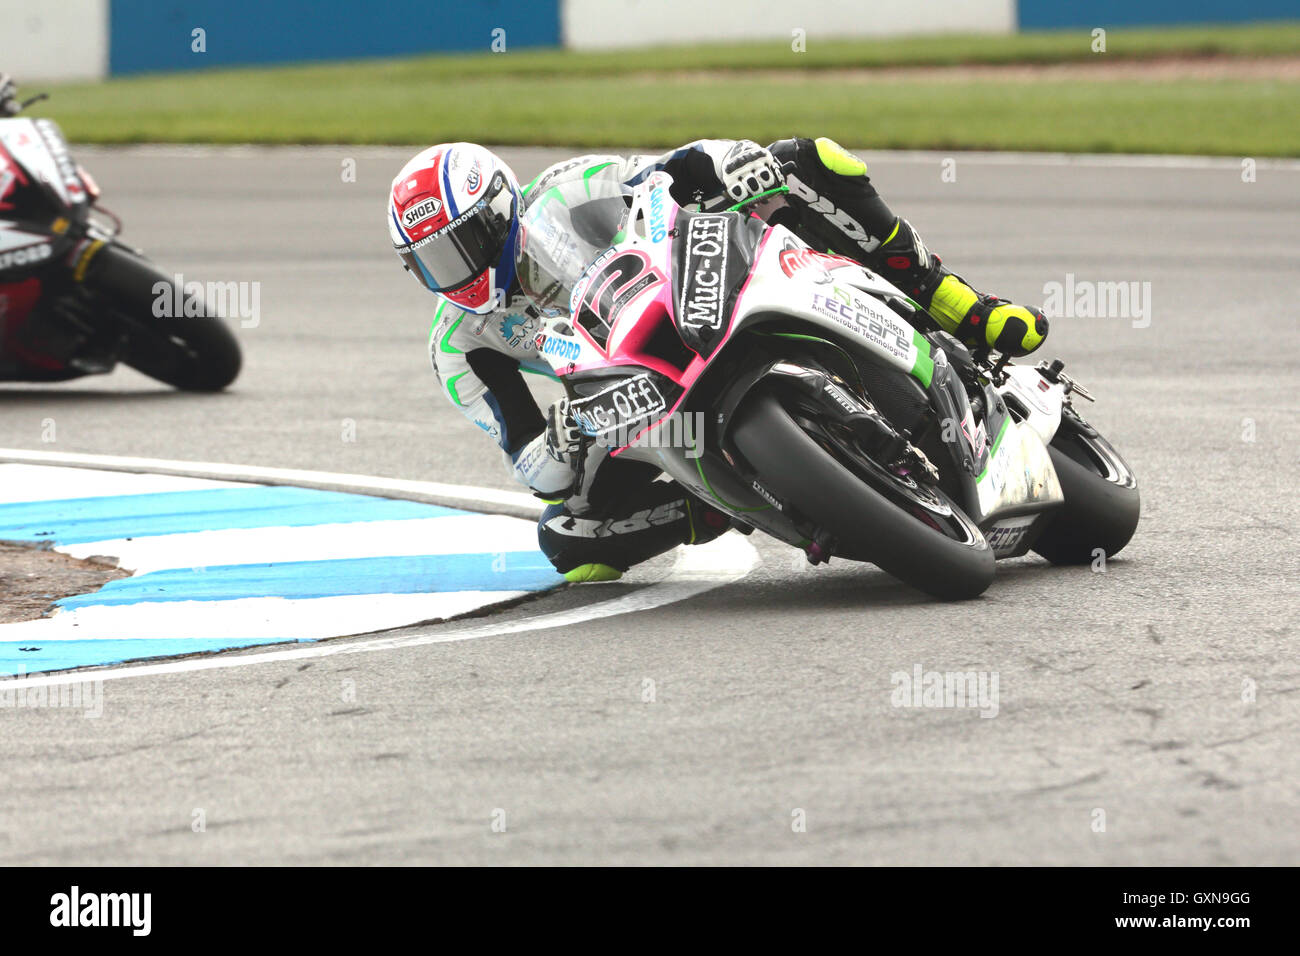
(25, 257)
(75, 908)
(417, 214)
(704, 269)
(842, 308)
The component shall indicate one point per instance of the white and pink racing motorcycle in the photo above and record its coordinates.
(74, 299)
(836, 416)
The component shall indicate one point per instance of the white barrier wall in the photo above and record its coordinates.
(605, 24)
(53, 39)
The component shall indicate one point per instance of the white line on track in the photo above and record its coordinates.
(697, 569)
(451, 496)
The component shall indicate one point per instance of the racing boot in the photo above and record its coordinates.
(834, 206)
(979, 321)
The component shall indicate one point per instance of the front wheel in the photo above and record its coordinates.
(1102, 504)
(197, 353)
(913, 531)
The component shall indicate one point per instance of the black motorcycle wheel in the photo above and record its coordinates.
(945, 556)
(1102, 504)
(193, 353)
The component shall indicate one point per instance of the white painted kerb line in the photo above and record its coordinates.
(697, 569)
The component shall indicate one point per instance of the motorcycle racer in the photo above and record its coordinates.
(453, 218)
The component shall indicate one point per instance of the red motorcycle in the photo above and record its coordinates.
(76, 301)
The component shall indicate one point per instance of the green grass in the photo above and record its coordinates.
(659, 98)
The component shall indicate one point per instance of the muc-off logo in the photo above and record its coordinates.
(630, 402)
(417, 214)
(704, 272)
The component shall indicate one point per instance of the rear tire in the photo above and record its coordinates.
(1100, 511)
(869, 526)
(194, 353)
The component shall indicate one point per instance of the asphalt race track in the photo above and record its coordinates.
(1148, 714)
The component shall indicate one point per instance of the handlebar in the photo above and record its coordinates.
(10, 105)
(767, 194)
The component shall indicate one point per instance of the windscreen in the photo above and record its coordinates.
(562, 232)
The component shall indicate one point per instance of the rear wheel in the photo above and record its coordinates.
(912, 530)
(196, 353)
(1102, 504)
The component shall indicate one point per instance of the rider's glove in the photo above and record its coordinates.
(9, 105)
(551, 464)
(564, 439)
(747, 169)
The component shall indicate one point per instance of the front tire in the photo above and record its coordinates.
(1102, 504)
(866, 524)
(193, 353)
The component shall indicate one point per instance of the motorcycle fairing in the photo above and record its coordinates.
(1002, 464)
(837, 300)
(38, 146)
(1003, 468)
(819, 296)
(627, 404)
(41, 194)
(711, 263)
(21, 248)
(1019, 474)
(628, 280)
(1039, 400)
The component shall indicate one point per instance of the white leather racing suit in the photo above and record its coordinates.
(479, 358)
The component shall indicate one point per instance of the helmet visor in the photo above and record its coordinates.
(461, 250)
